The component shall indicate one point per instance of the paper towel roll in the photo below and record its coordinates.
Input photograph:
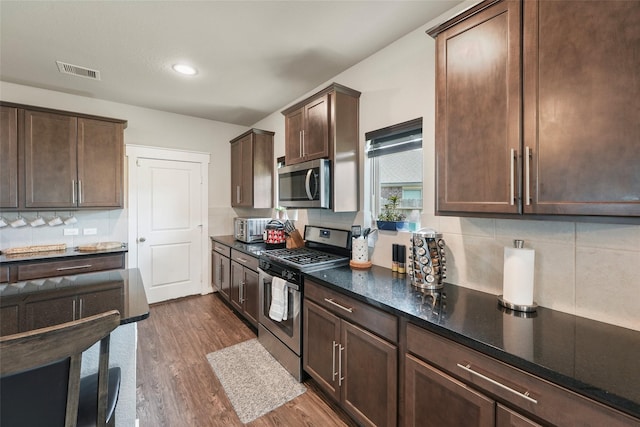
(517, 284)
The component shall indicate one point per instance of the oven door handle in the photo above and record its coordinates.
(267, 278)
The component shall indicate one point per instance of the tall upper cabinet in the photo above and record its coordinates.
(326, 126)
(252, 166)
(556, 135)
(8, 157)
(60, 160)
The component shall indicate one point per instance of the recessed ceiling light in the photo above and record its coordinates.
(184, 69)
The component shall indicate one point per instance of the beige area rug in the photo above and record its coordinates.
(253, 380)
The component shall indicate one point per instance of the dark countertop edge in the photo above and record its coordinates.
(252, 249)
(602, 396)
(70, 252)
(138, 305)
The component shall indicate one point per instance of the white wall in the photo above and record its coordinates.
(145, 127)
(585, 269)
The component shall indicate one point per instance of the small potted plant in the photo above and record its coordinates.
(390, 218)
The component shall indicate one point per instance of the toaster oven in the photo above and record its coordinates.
(249, 230)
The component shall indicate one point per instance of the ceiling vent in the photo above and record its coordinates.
(77, 70)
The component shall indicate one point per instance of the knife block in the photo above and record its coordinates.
(295, 240)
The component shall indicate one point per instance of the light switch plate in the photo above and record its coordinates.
(90, 231)
(71, 231)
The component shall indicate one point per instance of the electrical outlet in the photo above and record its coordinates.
(71, 231)
(90, 231)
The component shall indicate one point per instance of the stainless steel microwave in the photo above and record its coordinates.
(305, 185)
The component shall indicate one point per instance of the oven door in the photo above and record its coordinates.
(288, 331)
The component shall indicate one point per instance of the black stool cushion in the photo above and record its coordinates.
(88, 403)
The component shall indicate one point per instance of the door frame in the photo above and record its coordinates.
(133, 153)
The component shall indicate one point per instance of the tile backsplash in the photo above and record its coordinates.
(586, 269)
(109, 225)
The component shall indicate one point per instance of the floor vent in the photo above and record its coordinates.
(77, 70)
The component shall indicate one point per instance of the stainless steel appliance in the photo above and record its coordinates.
(249, 230)
(427, 262)
(305, 185)
(324, 248)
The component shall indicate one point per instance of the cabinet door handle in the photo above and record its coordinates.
(76, 267)
(527, 175)
(302, 142)
(512, 184)
(331, 301)
(237, 194)
(73, 191)
(81, 308)
(333, 361)
(73, 309)
(241, 292)
(79, 192)
(526, 395)
(340, 377)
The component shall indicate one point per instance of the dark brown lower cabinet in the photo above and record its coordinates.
(436, 399)
(464, 378)
(53, 308)
(9, 319)
(357, 368)
(505, 417)
(244, 293)
(221, 269)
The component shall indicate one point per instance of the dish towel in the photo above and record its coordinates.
(279, 299)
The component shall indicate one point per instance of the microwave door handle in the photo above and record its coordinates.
(307, 184)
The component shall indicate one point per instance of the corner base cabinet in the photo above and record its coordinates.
(355, 366)
(221, 268)
(453, 385)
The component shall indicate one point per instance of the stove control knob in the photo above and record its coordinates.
(441, 243)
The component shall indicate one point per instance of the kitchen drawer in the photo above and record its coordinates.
(4, 274)
(371, 318)
(247, 260)
(528, 393)
(221, 249)
(78, 265)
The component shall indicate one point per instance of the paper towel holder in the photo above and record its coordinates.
(517, 307)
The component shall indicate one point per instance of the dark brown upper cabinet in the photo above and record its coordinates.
(582, 107)
(252, 166)
(8, 157)
(326, 126)
(478, 124)
(556, 136)
(63, 160)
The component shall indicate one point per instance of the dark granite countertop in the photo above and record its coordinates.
(131, 301)
(253, 249)
(51, 255)
(594, 359)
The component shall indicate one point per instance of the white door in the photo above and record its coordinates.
(169, 228)
(168, 220)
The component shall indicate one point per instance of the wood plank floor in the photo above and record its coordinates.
(176, 385)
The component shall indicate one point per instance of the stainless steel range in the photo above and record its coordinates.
(280, 318)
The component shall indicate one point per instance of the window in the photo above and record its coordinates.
(394, 160)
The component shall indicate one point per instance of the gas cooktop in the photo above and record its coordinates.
(305, 258)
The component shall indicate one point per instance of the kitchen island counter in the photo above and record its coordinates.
(591, 358)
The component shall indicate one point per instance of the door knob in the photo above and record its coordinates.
(142, 240)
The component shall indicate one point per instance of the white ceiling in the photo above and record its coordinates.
(253, 57)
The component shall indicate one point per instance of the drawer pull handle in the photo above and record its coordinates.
(331, 301)
(242, 260)
(525, 395)
(77, 267)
